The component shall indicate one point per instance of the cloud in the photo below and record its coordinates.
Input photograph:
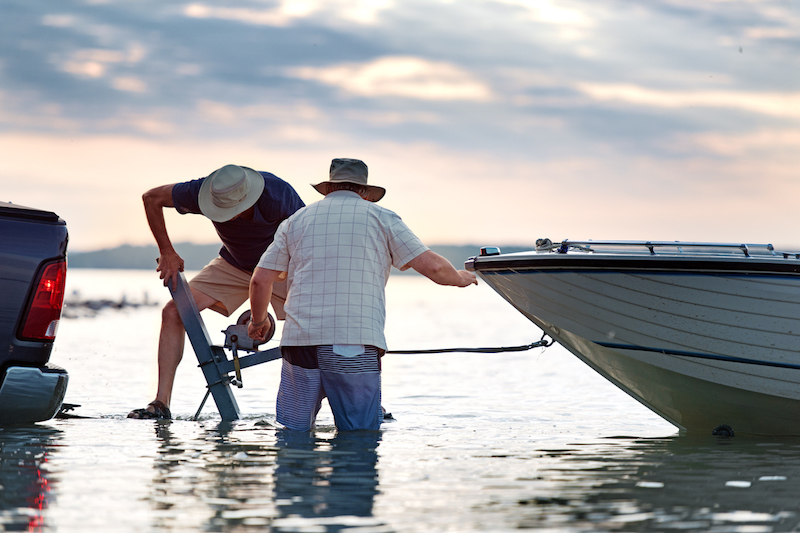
(550, 12)
(153, 122)
(225, 113)
(285, 123)
(282, 16)
(770, 142)
(130, 84)
(400, 76)
(775, 104)
(300, 122)
(95, 63)
(87, 69)
(758, 33)
(362, 11)
(59, 20)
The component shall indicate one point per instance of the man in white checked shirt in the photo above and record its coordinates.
(338, 254)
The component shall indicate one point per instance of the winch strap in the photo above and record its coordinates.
(538, 344)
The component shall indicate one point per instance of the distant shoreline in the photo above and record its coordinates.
(196, 256)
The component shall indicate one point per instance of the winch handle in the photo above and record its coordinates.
(244, 318)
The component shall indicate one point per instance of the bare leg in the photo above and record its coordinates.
(171, 343)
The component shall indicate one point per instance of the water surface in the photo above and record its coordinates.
(480, 442)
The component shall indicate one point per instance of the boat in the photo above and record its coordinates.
(706, 335)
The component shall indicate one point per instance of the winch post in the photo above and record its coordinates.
(208, 356)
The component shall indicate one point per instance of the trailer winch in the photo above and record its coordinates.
(213, 360)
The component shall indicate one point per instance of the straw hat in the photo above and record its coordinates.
(229, 191)
(350, 171)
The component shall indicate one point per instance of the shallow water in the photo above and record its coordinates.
(480, 442)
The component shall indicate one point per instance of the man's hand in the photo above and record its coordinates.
(258, 333)
(467, 278)
(169, 264)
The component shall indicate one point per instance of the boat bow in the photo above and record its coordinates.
(703, 334)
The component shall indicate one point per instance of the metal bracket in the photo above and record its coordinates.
(212, 359)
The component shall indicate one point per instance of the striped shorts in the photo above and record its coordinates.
(352, 386)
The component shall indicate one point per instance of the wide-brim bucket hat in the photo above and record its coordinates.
(229, 191)
(350, 171)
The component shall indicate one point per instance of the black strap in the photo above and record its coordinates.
(541, 343)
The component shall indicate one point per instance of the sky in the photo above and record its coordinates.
(489, 122)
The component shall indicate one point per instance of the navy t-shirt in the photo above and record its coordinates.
(244, 241)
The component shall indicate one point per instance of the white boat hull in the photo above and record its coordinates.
(700, 347)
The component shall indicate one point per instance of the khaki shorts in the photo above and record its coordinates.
(231, 288)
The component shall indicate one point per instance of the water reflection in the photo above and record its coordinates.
(681, 483)
(327, 483)
(220, 478)
(257, 478)
(27, 481)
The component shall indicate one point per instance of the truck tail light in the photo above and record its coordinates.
(44, 312)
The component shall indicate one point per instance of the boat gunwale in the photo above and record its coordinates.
(603, 262)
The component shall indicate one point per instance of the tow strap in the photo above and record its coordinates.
(542, 343)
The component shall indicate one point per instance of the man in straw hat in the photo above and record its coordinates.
(246, 208)
(338, 254)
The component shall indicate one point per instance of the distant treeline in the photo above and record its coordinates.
(196, 256)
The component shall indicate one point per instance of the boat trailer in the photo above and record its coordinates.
(213, 360)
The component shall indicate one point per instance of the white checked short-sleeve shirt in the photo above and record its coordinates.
(338, 253)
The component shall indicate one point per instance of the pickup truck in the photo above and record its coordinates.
(33, 269)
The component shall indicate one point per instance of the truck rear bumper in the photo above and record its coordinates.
(31, 394)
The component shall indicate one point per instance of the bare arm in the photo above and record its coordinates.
(441, 271)
(169, 262)
(260, 295)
